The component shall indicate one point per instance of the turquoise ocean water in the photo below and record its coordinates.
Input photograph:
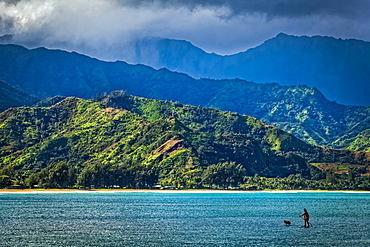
(184, 219)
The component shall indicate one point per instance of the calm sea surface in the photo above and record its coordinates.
(183, 219)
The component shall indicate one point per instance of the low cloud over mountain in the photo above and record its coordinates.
(223, 27)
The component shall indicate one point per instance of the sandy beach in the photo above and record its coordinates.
(167, 191)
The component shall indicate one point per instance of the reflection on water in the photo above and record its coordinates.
(184, 219)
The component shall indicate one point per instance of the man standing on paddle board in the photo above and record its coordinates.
(306, 217)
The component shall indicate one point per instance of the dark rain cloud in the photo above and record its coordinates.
(6, 23)
(221, 26)
(11, 2)
(270, 8)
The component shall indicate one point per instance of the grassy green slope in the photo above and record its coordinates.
(136, 142)
(222, 123)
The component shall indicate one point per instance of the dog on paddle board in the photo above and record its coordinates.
(287, 222)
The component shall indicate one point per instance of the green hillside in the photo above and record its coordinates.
(133, 142)
(360, 142)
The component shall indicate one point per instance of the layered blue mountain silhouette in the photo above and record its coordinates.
(338, 68)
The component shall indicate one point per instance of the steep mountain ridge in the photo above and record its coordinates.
(12, 97)
(300, 110)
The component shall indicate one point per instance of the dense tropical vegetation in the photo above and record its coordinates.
(120, 140)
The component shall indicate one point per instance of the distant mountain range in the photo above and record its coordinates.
(338, 68)
(137, 143)
(300, 110)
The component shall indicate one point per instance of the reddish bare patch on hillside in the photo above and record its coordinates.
(170, 146)
(111, 112)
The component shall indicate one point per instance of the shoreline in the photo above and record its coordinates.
(32, 191)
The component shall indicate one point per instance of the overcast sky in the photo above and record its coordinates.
(220, 26)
